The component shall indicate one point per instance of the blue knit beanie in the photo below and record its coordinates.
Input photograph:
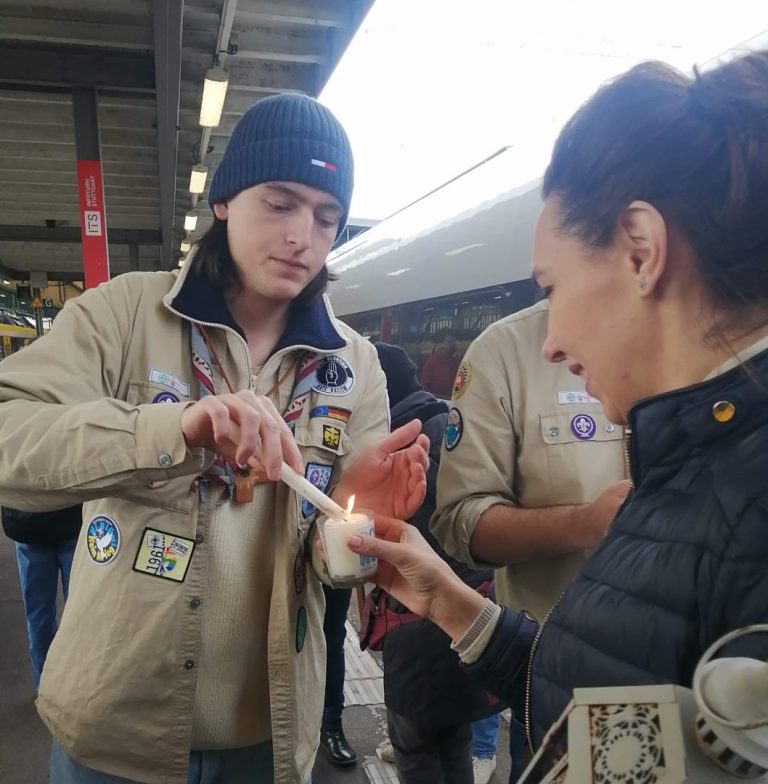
(287, 138)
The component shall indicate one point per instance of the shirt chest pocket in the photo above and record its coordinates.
(578, 425)
(141, 392)
(584, 452)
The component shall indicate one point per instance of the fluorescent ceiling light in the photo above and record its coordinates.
(185, 246)
(7, 282)
(181, 262)
(463, 249)
(214, 92)
(190, 221)
(398, 272)
(197, 178)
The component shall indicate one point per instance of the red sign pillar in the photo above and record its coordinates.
(93, 223)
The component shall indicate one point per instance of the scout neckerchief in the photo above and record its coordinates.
(204, 358)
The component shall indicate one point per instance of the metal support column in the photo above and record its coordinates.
(133, 257)
(168, 17)
(93, 214)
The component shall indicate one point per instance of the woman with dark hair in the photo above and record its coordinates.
(192, 638)
(652, 248)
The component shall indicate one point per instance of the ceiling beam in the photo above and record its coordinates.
(119, 71)
(167, 30)
(72, 234)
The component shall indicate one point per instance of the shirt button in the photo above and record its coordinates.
(609, 428)
(189, 664)
(199, 539)
(554, 432)
(195, 603)
(165, 460)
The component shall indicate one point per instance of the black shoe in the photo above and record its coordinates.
(334, 742)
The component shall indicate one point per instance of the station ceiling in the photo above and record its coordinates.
(147, 60)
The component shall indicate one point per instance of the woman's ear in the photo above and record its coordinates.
(644, 235)
(220, 210)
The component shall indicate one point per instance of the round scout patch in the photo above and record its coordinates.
(463, 375)
(334, 376)
(165, 397)
(453, 429)
(301, 629)
(583, 427)
(102, 539)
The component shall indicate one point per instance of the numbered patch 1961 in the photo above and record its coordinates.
(163, 554)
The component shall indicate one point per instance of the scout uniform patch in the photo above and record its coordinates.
(102, 539)
(331, 412)
(301, 629)
(165, 397)
(163, 554)
(331, 437)
(334, 376)
(583, 427)
(454, 429)
(319, 475)
(463, 376)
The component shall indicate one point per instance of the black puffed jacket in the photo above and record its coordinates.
(685, 561)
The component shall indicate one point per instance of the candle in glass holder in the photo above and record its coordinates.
(347, 568)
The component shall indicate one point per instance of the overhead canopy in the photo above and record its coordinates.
(147, 62)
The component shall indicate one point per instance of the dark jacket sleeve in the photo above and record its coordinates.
(43, 528)
(501, 668)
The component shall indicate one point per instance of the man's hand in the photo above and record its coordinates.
(243, 428)
(389, 477)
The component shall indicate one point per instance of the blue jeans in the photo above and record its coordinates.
(485, 736)
(39, 569)
(250, 765)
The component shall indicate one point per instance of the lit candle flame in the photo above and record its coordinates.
(350, 507)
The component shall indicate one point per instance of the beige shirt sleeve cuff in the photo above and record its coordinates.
(474, 641)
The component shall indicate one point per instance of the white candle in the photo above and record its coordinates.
(343, 564)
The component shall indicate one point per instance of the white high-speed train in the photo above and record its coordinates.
(454, 261)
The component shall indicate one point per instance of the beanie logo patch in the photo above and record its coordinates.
(323, 164)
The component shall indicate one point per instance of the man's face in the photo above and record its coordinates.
(279, 234)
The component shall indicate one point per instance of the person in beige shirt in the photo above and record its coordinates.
(531, 473)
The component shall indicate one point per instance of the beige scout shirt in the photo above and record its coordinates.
(81, 420)
(530, 437)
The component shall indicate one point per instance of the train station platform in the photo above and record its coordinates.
(25, 743)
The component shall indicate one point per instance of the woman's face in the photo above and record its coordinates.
(596, 321)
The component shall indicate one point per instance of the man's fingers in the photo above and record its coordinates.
(400, 438)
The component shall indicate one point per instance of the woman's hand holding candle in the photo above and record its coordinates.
(411, 571)
(345, 567)
(390, 476)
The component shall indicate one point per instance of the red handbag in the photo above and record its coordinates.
(377, 618)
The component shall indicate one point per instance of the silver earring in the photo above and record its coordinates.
(642, 284)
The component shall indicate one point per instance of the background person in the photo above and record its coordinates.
(521, 486)
(45, 545)
(439, 370)
(432, 706)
